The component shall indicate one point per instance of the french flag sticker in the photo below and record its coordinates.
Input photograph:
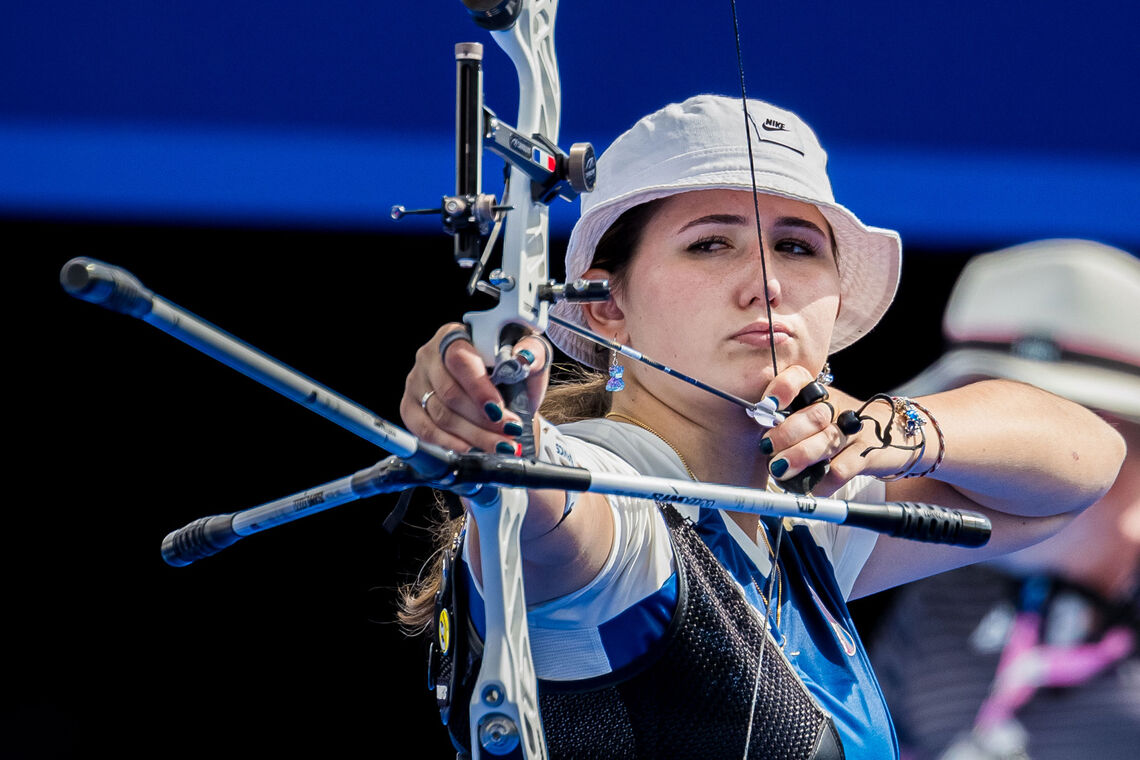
(544, 159)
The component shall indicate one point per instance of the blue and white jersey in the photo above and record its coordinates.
(617, 616)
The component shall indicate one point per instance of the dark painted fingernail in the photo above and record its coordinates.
(526, 356)
(502, 447)
(774, 401)
(766, 446)
(475, 450)
(493, 411)
(779, 467)
(513, 428)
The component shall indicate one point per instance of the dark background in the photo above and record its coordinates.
(285, 640)
(241, 163)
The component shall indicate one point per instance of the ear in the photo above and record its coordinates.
(604, 317)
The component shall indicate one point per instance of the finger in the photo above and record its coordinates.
(796, 427)
(433, 421)
(465, 388)
(538, 348)
(450, 333)
(520, 379)
(420, 424)
(418, 380)
(812, 393)
(437, 407)
(542, 358)
(451, 425)
(416, 384)
(787, 384)
(804, 438)
(849, 422)
(845, 465)
(465, 405)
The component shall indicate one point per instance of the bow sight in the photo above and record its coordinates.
(474, 218)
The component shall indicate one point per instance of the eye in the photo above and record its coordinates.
(797, 247)
(708, 244)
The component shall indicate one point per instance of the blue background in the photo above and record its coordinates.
(959, 123)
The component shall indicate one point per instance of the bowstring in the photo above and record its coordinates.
(755, 193)
(773, 571)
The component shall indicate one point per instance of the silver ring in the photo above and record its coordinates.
(547, 349)
(424, 399)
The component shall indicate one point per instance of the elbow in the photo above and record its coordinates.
(1100, 475)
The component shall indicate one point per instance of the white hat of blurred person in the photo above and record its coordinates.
(701, 144)
(1063, 315)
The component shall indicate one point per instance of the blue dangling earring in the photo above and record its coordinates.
(615, 383)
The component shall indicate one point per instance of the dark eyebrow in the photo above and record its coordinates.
(795, 221)
(735, 219)
(714, 219)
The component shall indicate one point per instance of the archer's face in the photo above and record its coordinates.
(695, 297)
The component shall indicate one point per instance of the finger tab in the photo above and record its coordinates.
(808, 395)
(848, 422)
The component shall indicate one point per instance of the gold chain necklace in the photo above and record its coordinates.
(760, 529)
(643, 426)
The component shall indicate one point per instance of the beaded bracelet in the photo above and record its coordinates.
(909, 422)
(941, 440)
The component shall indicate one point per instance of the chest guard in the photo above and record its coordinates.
(690, 696)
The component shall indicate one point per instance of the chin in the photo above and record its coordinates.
(754, 379)
(752, 390)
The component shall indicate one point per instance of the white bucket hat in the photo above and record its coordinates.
(1063, 315)
(701, 144)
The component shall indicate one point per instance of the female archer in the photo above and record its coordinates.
(661, 631)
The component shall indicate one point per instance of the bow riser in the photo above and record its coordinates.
(530, 45)
(504, 703)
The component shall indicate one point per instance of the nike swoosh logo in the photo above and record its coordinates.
(769, 128)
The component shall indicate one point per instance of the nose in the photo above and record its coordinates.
(761, 282)
(773, 291)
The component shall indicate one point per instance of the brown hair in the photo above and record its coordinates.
(614, 251)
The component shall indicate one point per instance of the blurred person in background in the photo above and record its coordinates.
(1034, 655)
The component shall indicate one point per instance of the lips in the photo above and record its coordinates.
(756, 334)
